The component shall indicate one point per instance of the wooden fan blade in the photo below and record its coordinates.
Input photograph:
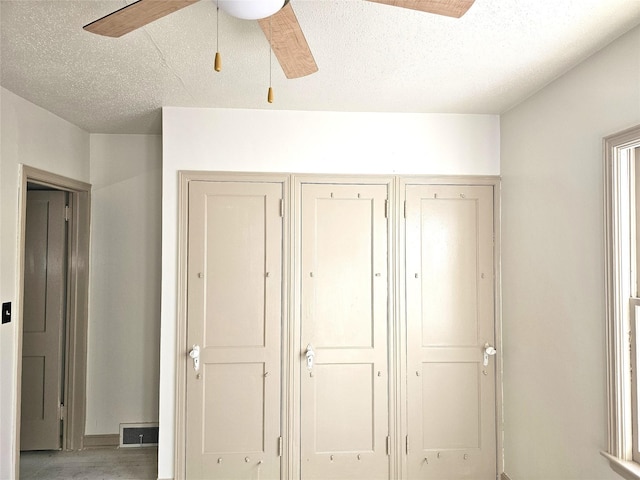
(450, 8)
(288, 43)
(135, 16)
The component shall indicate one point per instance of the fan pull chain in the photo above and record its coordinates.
(217, 63)
(270, 92)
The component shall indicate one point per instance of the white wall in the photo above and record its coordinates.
(32, 136)
(124, 323)
(553, 265)
(124, 300)
(301, 142)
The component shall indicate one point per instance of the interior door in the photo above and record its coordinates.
(344, 362)
(450, 326)
(43, 320)
(234, 304)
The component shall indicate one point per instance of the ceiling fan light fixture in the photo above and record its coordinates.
(250, 9)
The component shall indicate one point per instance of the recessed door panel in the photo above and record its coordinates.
(234, 399)
(33, 375)
(450, 406)
(449, 266)
(345, 408)
(344, 418)
(450, 320)
(343, 299)
(235, 270)
(234, 330)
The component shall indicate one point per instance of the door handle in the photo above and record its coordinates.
(310, 357)
(488, 351)
(195, 355)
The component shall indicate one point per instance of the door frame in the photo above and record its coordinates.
(453, 180)
(77, 302)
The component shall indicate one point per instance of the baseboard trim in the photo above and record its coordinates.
(504, 476)
(106, 440)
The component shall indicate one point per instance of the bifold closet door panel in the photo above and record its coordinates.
(344, 418)
(450, 324)
(234, 330)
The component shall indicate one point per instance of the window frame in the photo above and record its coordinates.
(620, 266)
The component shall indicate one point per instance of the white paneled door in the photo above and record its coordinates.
(234, 331)
(344, 384)
(451, 367)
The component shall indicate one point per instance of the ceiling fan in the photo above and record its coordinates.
(276, 18)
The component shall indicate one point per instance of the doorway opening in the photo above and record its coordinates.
(52, 312)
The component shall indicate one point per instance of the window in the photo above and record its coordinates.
(622, 244)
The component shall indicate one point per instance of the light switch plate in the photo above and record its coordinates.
(6, 312)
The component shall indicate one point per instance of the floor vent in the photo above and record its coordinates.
(138, 434)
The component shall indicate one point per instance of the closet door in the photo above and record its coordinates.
(234, 322)
(450, 326)
(344, 418)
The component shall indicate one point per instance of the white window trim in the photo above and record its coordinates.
(618, 286)
(628, 470)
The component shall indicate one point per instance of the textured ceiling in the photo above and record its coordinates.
(371, 57)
